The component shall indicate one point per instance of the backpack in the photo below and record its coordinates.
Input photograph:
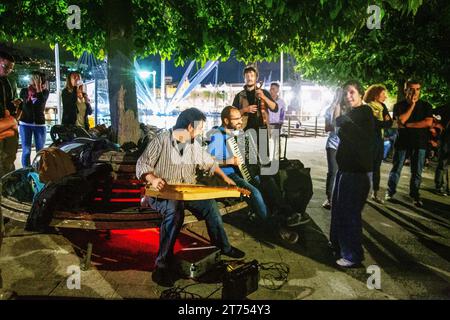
(54, 164)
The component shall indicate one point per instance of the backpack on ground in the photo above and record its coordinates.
(54, 164)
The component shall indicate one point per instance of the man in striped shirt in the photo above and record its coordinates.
(173, 157)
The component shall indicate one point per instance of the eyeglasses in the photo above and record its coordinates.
(235, 118)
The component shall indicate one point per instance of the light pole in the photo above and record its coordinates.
(154, 84)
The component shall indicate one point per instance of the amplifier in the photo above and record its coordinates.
(196, 261)
(240, 282)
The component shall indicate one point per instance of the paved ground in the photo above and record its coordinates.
(410, 246)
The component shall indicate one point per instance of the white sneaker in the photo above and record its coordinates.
(345, 263)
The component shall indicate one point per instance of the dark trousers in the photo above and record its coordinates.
(349, 197)
(331, 174)
(26, 136)
(377, 160)
(172, 212)
(417, 163)
(441, 178)
(8, 151)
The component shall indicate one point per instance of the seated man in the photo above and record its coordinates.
(232, 121)
(172, 158)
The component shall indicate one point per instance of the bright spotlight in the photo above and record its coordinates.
(144, 74)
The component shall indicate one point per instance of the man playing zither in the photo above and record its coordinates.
(173, 157)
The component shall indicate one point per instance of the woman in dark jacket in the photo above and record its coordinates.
(354, 157)
(76, 104)
(31, 115)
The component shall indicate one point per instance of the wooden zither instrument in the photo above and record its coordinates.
(188, 192)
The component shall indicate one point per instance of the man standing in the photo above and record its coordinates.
(8, 106)
(414, 118)
(276, 120)
(173, 157)
(249, 102)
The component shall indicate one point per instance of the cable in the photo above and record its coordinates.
(177, 293)
(273, 273)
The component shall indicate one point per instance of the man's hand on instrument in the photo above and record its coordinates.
(252, 108)
(260, 94)
(237, 161)
(229, 181)
(158, 184)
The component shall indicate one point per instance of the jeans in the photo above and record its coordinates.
(377, 160)
(387, 147)
(256, 200)
(332, 169)
(274, 142)
(172, 212)
(441, 177)
(26, 135)
(349, 197)
(417, 164)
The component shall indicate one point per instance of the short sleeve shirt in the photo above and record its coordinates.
(413, 138)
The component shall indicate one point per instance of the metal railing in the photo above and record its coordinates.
(304, 126)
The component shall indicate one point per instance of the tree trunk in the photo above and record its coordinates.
(121, 84)
(400, 90)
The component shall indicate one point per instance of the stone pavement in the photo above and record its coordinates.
(410, 246)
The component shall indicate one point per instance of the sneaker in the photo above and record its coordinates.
(326, 204)
(377, 199)
(345, 263)
(163, 277)
(418, 203)
(388, 197)
(287, 235)
(297, 219)
(234, 253)
(441, 192)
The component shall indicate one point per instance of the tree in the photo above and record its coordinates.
(185, 29)
(405, 47)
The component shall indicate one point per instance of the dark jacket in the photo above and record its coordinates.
(7, 95)
(70, 109)
(355, 151)
(33, 112)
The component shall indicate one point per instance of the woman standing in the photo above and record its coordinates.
(375, 97)
(334, 111)
(76, 104)
(355, 162)
(31, 115)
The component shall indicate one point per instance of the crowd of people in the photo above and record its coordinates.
(358, 122)
(28, 111)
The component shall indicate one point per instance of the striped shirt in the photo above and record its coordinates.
(163, 159)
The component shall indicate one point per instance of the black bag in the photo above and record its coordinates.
(295, 183)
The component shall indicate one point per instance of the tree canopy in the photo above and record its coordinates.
(405, 47)
(329, 38)
(196, 29)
